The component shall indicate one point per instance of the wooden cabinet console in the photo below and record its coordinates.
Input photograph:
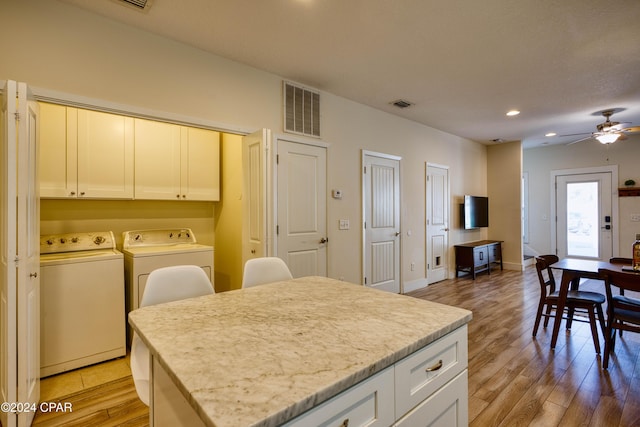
(476, 257)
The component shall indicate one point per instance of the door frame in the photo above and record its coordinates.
(615, 223)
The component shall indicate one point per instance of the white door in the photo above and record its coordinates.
(584, 216)
(302, 208)
(381, 222)
(19, 254)
(437, 222)
(255, 196)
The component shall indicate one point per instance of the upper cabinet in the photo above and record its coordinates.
(58, 151)
(90, 154)
(176, 162)
(85, 154)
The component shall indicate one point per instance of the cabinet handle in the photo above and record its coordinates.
(34, 275)
(184, 196)
(73, 193)
(177, 196)
(82, 193)
(435, 367)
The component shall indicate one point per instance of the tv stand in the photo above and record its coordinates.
(476, 257)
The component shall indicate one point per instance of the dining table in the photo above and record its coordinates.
(574, 269)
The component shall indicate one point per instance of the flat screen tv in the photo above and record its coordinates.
(474, 213)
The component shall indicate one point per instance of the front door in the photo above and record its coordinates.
(437, 222)
(302, 208)
(19, 255)
(585, 219)
(381, 224)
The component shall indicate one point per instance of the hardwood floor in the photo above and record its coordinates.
(517, 380)
(514, 379)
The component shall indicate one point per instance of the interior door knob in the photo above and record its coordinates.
(324, 240)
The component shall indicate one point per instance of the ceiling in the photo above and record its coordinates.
(461, 63)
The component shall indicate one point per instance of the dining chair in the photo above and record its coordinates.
(258, 271)
(623, 312)
(577, 301)
(164, 285)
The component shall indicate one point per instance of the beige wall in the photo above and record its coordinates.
(56, 47)
(228, 216)
(539, 163)
(504, 172)
(68, 216)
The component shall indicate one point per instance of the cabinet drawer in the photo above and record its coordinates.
(480, 255)
(369, 403)
(448, 407)
(422, 373)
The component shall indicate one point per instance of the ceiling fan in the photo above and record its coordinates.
(607, 132)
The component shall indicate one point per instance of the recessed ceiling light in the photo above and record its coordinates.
(550, 134)
(513, 113)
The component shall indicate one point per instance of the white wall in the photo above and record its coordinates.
(539, 162)
(56, 47)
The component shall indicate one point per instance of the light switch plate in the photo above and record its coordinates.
(343, 224)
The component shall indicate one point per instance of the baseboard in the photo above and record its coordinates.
(517, 266)
(414, 285)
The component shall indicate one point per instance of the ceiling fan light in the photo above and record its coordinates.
(608, 138)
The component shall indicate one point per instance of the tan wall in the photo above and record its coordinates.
(70, 51)
(504, 172)
(228, 216)
(68, 216)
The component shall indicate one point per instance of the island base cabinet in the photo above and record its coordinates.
(369, 403)
(168, 405)
(448, 407)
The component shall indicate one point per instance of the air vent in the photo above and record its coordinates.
(401, 103)
(301, 110)
(137, 4)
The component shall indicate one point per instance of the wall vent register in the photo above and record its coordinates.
(301, 110)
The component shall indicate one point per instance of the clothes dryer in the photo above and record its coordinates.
(147, 250)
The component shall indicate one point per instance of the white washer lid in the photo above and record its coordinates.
(142, 251)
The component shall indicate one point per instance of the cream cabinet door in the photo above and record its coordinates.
(200, 164)
(58, 151)
(105, 155)
(157, 163)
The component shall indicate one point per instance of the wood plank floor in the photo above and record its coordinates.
(514, 379)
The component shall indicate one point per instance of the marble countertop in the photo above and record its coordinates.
(264, 355)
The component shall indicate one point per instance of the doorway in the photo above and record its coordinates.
(586, 213)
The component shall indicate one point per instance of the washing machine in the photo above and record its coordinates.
(82, 301)
(147, 250)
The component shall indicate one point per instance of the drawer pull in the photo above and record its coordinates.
(345, 423)
(434, 367)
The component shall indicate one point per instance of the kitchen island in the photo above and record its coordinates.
(305, 350)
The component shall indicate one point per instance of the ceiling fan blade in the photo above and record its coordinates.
(575, 134)
(579, 140)
(631, 129)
